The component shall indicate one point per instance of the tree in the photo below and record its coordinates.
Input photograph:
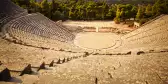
(32, 6)
(139, 14)
(134, 12)
(57, 15)
(91, 9)
(123, 12)
(158, 8)
(126, 12)
(45, 7)
(148, 11)
(117, 19)
(111, 13)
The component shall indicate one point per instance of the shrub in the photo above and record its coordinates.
(142, 21)
(117, 20)
(57, 15)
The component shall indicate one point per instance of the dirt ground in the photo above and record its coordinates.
(91, 40)
(97, 24)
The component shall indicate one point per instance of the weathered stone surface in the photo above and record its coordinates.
(17, 69)
(4, 74)
(38, 66)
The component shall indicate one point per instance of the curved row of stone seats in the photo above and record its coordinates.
(155, 31)
(155, 41)
(62, 26)
(30, 29)
(52, 23)
(19, 69)
(147, 27)
(33, 24)
(47, 22)
(152, 19)
(9, 11)
(38, 41)
(152, 35)
(18, 57)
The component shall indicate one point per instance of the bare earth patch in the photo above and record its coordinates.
(96, 40)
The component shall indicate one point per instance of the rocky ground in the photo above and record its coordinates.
(148, 68)
(113, 69)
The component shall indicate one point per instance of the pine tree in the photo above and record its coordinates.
(158, 8)
(45, 7)
(148, 11)
(118, 15)
(139, 14)
(134, 12)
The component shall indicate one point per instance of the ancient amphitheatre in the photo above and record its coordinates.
(36, 50)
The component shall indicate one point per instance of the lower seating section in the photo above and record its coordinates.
(21, 69)
(19, 59)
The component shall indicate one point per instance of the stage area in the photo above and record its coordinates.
(94, 40)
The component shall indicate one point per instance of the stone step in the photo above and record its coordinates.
(4, 74)
(37, 66)
(18, 69)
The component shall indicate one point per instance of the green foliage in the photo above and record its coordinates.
(57, 15)
(140, 13)
(125, 12)
(160, 7)
(118, 15)
(142, 21)
(148, 11)
(111, 12)
(91, 10)
(45, 7)
(117, 20)
(134, 11)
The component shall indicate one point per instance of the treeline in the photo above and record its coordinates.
(131, 1)
(94, 10)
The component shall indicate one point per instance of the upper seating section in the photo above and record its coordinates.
(146, 27)
(40, 25)
(9, 11)
(33, 29)
(151, 35)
